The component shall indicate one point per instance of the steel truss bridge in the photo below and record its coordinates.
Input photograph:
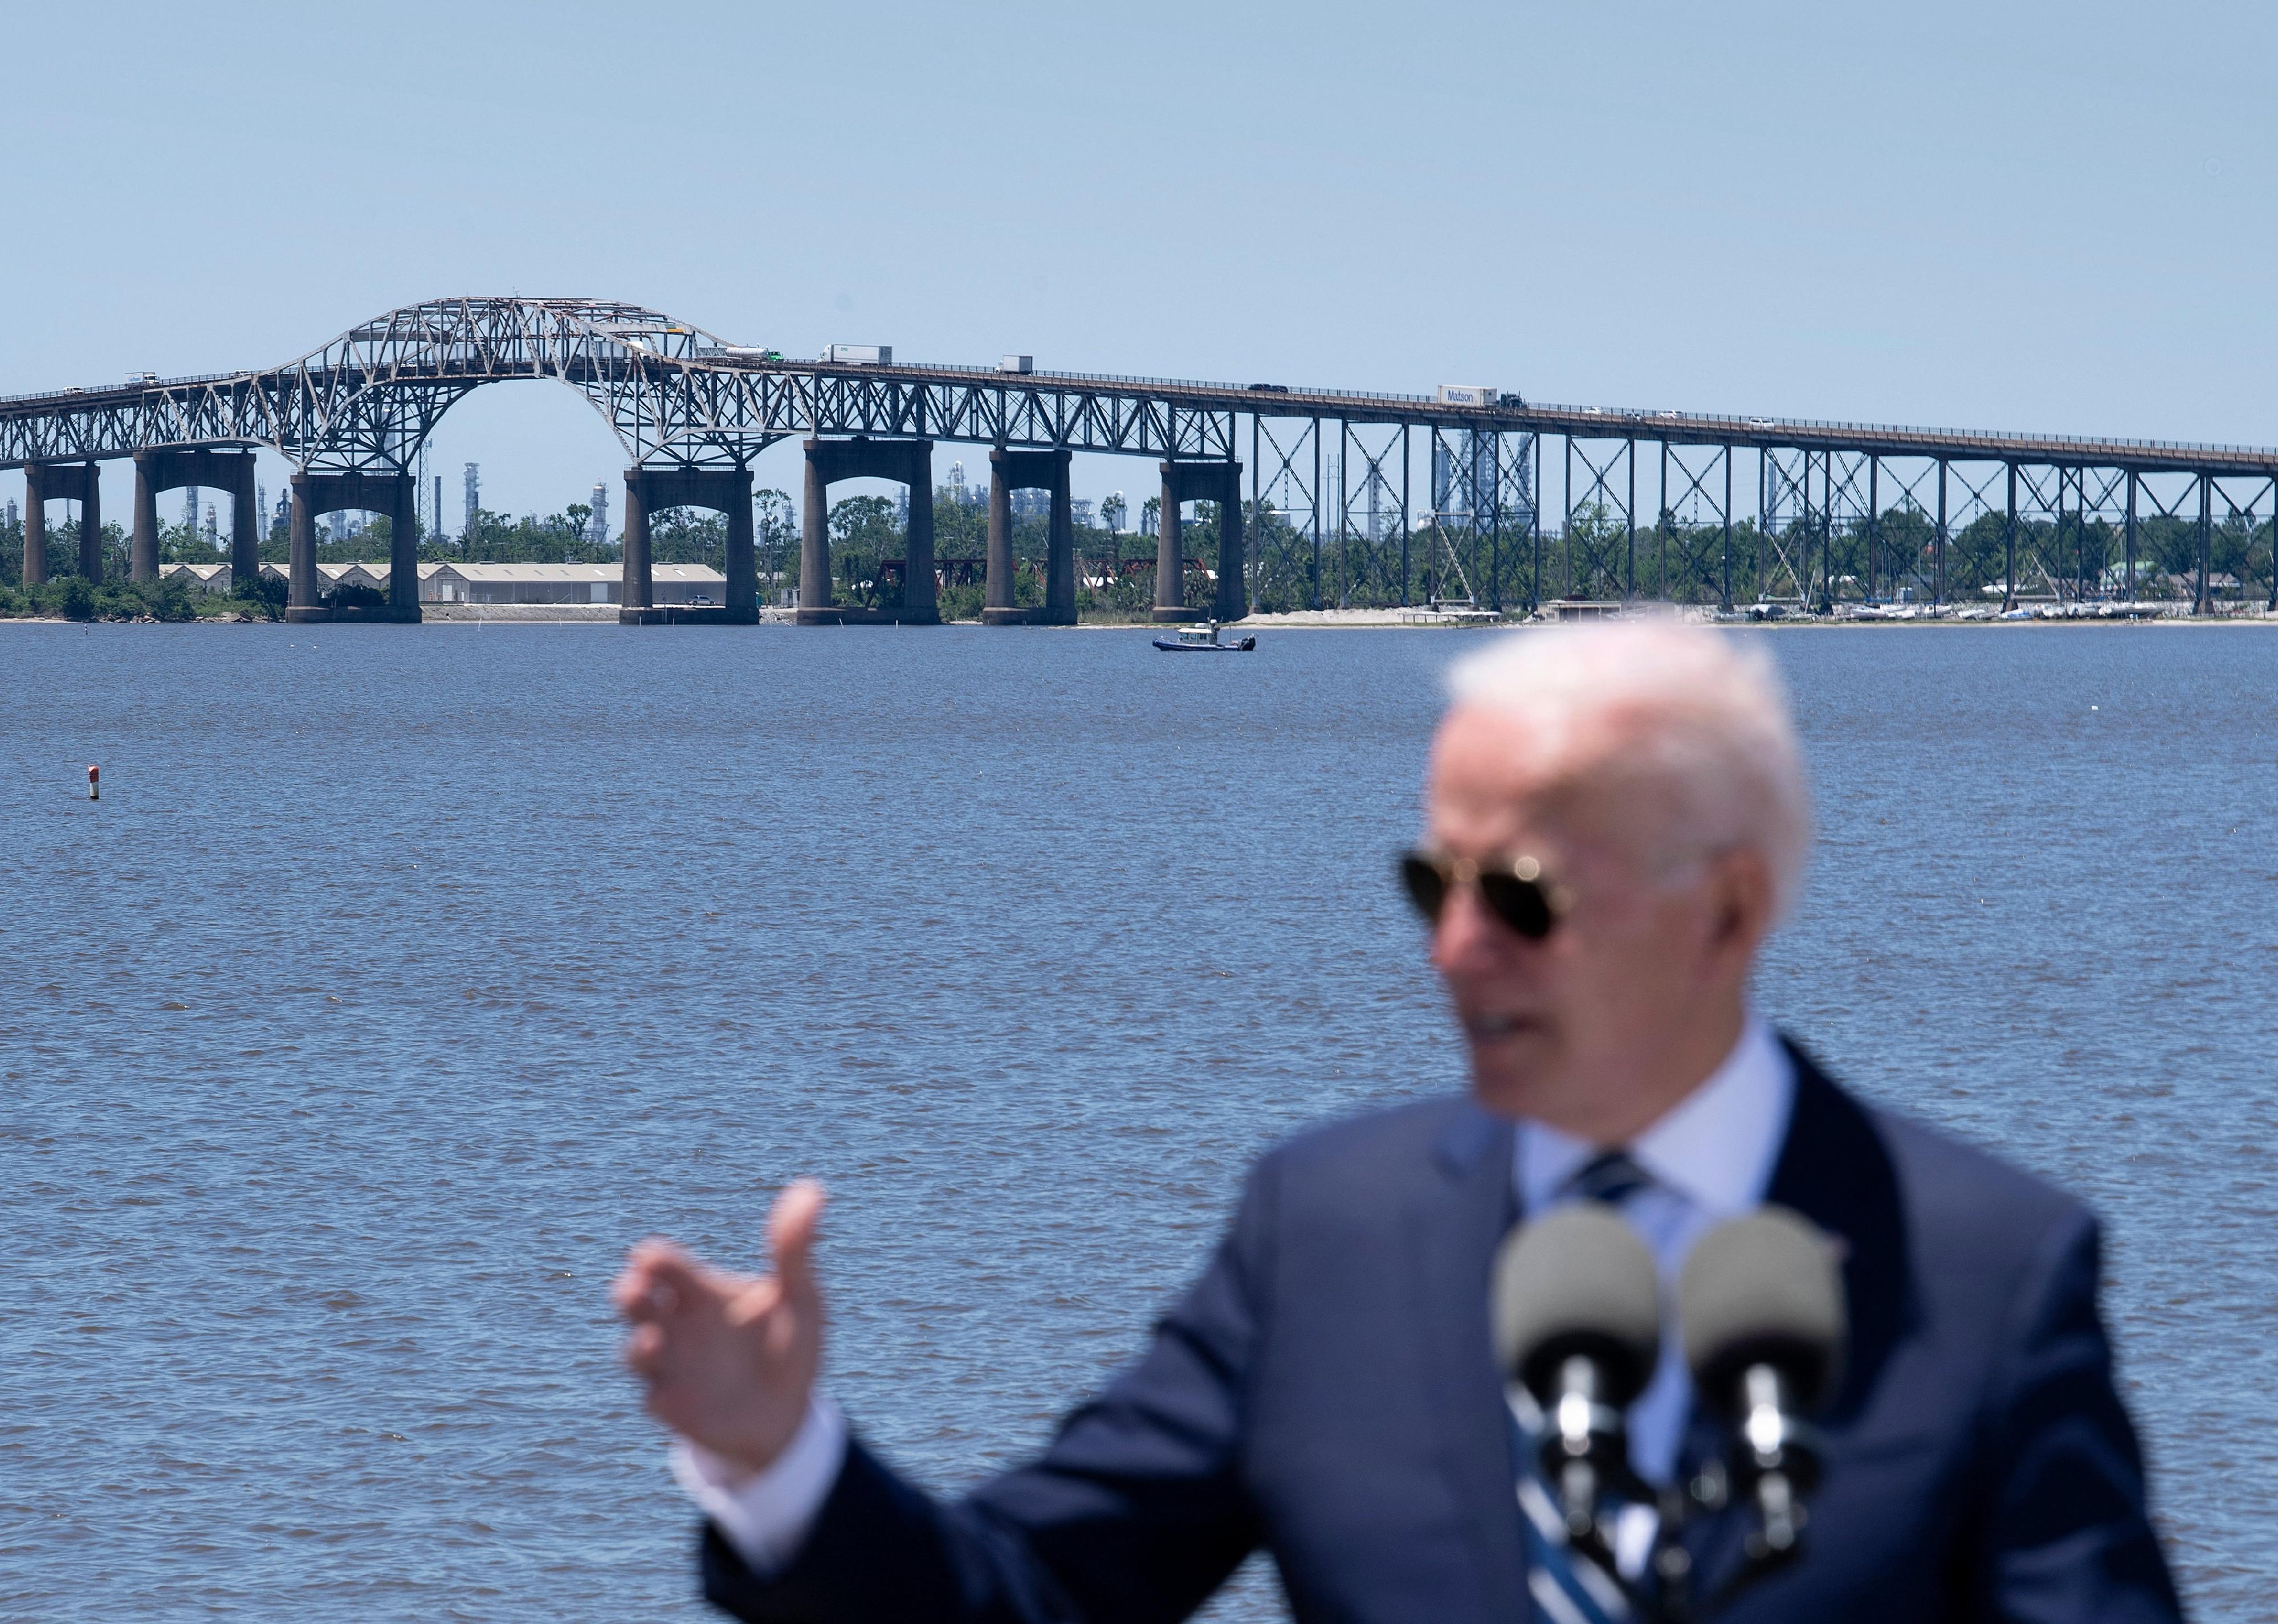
(1352, 498)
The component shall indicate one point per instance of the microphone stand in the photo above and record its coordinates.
(1672, 1564)
(1775, 1459)
(1770, 1472)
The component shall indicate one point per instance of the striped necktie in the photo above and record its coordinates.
(1611, 1176)
(1568, 1586)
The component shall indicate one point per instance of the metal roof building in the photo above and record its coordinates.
(565, 584)
(204, 577)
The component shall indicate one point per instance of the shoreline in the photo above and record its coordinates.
(1303, 620)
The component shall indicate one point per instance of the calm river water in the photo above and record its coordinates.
(404, 975)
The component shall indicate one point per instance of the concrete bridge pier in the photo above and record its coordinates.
(726, 491)
(1218, 482)
(142, 555)
(402, 547)
(1030, 470)
(300, 556)
(827, 462)
(35, 524)
(1059, 554)
(742, 559)
(815, 594)
(997, 597)
(90, 524)
(921, 591)
(245, 521)
(638, 590)
(394, 494)
(62, 481)
(157, 471)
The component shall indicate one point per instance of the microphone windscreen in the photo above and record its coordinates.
(1577, 1280)
(1763, 1289)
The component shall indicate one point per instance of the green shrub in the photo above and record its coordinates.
(170, 598)
(264, 595)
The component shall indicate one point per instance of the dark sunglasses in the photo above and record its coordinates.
(1513, 889)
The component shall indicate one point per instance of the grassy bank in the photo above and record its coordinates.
(74, 598)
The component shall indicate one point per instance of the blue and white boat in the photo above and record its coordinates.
(1204, 639)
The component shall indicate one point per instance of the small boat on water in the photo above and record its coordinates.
(1204, 640)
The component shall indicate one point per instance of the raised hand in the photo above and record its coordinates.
(728, 1359)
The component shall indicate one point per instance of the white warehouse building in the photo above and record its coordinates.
(566, 584)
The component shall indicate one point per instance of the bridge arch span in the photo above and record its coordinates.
(374, 393)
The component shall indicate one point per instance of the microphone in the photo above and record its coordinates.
(1576, 1316)
(1760, 1302)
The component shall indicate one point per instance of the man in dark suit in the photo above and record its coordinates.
(1617, 819)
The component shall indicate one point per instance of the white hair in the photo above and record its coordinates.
(1692, 706)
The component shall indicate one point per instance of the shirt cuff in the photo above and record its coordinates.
(765, 1516)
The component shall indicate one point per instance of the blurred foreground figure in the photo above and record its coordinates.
(1617, 818)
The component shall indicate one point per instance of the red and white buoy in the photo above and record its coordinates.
(93, 782)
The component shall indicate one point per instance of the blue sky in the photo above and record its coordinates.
(2026, 215)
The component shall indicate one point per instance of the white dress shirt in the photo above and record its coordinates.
(1711, 1158)
(764, 1515)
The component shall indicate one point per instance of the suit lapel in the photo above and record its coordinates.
(1835, 1171)
(1453, 1228)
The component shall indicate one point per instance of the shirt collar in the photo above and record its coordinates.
(1716, 1147)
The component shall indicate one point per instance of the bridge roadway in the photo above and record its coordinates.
(691, 410)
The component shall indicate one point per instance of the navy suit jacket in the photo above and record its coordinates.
(1326, 1390)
